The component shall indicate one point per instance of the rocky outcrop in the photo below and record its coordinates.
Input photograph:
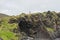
(35, 26)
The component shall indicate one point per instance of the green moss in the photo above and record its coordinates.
(5, 32)
(50, 29)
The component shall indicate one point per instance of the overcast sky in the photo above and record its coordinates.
(14, 7)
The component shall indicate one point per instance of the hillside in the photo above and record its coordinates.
(3, 15)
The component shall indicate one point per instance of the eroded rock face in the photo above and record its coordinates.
(38, 36)
(35, 26)
(33, 30)
(42, 36)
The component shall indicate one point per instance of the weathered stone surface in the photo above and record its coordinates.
(35, 25)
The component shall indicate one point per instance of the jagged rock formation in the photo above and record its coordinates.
(40, 26)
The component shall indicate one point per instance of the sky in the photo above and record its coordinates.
(15, 7)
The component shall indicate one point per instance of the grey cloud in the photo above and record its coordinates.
(17, 6)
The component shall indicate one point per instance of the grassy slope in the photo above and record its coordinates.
(5, 30)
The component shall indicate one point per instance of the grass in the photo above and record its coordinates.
(7, 35)
(5, 31)
(50, 29)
